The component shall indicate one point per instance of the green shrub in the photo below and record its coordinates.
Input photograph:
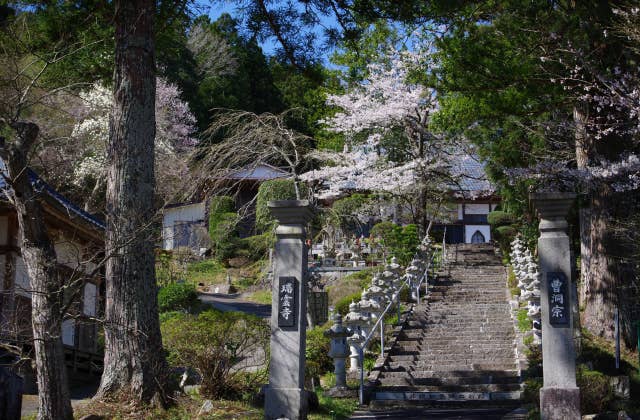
(531, 391)
(318, 361)
(524, 323)
(512, 282)
(363, 277)
(344, 212)
(276, 189)
(342, 306)
(164, 316)
(398, 241)
(177, 297)
(215, 344)
(595, 390)
(224, 237)
(217, 207)
(500, 218)
(258, 246)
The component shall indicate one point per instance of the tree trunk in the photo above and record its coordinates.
(612, 272)
(584, 148)
(134, 364)
(47, 286)
(606, 265)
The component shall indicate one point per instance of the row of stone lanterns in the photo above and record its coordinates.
(525, 269)
(348, 334)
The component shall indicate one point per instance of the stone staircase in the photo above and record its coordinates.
(457, 348)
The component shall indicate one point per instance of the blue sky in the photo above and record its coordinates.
(269, 46)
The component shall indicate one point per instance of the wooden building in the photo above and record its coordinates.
(78, 238)
(185, 224)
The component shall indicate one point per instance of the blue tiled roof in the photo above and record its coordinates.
(472, 176)
(43, 188)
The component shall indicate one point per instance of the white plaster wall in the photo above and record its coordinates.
(460, 212)
(493, 207)
(469, 230)
(476, 208)
(22, 285)
(188, 213)
(70, 254)
(4, 230)
(68, 332)
(89, 299)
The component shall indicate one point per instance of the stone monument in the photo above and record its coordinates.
(339, 351)
(559, 396)
(285, 397)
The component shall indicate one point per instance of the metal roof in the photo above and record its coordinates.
(48, 192)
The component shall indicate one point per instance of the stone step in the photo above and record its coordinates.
(416, 382)
(462, 373)
(437, 379)
(397, 395)
(454, 367)
(466, 353)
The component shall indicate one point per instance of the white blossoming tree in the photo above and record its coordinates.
(400, 155)
(175, 128)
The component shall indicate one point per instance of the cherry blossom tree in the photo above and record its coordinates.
(174, 141)
(390, 111)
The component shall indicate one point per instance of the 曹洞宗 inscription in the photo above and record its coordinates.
(558, 288)
(287, 301)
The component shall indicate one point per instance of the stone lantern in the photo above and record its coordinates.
(339, 351)
(356, 321)
(370, 307)
(414, 272)
(376, 294)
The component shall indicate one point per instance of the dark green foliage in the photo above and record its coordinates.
(215, 344)
(224, 238)
(398, 241)
(595, 390)
(218, 206)
(223, 222)
(277, 189)
(317, 357)
(345, 210)
(499, 218)
(177, 297)
(257, 246)
(342, 306)
(504, 235)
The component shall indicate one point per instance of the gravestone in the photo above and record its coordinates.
(285, 397)
(318, 307)
(559, 396)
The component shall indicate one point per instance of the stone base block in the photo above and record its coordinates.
(560, 403)
(285, 403)
(342, 392)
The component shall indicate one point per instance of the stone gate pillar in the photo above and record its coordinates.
(559, 396)
(285, 397)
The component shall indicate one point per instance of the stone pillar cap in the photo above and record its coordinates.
(552, 204)
(291, 211)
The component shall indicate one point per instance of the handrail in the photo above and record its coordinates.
(394, 297)
(444, 244)
(424, 278)
(380, 321)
